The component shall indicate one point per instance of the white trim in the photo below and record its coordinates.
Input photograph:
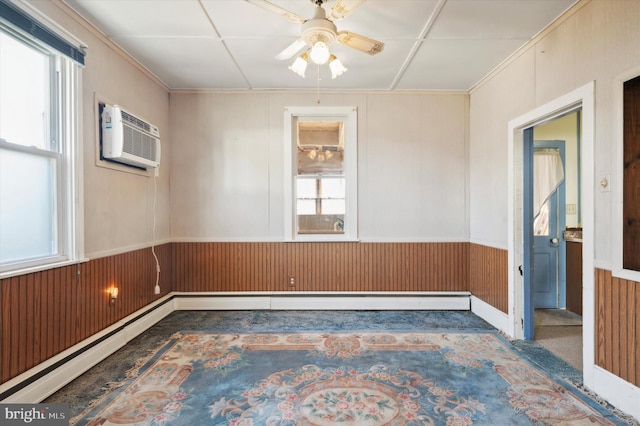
(51, 382)
(40, 268)
(366, 302)
(618, 392)
(349, 116)
(127, 249)
(280, 239)
(490, 314)
(617, 181)
(493, 244)
(214, 302)
(583, 97)
(323, 301)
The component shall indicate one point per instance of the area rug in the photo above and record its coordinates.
(359, 379)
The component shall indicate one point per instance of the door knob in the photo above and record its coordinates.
(554, 241)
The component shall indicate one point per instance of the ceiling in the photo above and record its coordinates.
(231, 44)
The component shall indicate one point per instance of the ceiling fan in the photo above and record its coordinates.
(319, 32)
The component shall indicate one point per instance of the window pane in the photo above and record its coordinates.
(541, 222)
(24, 84)
(306, 188)
(332, 188)
(333, 207)
(306, 207)
(27, 206)
(318, 159)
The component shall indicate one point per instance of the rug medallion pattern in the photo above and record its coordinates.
(364, 379)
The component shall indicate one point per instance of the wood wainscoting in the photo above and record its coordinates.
(320, 267)
(618, 326)
(44, 313)
(488, 278)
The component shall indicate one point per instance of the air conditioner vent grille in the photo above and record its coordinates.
(135, 121)
(138, 144)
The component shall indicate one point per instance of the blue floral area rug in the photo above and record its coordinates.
(359, 379)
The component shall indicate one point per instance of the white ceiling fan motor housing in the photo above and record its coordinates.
(319, 28)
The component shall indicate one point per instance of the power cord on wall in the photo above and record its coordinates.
(156, 290)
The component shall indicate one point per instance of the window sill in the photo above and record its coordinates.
(39, 268)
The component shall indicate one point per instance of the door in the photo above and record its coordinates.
(549, 221)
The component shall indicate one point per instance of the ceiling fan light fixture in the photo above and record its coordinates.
(299, 66)
(336, 66)
(319, 53)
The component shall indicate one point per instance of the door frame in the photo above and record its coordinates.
(581, 98)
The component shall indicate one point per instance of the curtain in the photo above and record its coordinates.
(548, 174)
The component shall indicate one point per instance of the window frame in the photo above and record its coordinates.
(64, 128)
(349, 117)
(614, 182)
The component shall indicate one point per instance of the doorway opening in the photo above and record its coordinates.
(521, 266)
(556, 243)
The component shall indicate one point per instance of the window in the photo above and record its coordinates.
(321, 174)
(38, 127)
(631, 183)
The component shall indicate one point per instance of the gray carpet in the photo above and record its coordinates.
(103, 377)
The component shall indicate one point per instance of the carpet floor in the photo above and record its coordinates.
(345, 367)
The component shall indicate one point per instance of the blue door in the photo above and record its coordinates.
(549, 249)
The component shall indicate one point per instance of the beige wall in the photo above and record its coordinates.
(227, 160)
(118, 206)
(598, 42)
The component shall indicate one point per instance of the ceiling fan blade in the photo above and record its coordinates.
(360, 42)
(291, 50)
(290, 16)
(343, 8)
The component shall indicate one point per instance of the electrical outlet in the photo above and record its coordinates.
(292, 281)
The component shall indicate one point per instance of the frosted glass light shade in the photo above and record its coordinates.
(319, 53)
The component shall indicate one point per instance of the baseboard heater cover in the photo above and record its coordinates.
(324, 301)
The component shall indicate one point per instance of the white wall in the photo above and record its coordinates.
(227, 160)
(118, 205)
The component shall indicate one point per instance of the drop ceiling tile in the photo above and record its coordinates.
(455, 64)
(145, 17)
(496, 18)
(233, 19)
(186, 63)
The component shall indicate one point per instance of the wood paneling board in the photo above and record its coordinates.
(321, 266)
(617, 322)
(488, 278)
(44, 313)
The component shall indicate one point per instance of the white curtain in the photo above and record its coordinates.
(548, 174)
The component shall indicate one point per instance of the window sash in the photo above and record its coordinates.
(65, 153)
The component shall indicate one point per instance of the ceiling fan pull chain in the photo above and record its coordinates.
(318, 84)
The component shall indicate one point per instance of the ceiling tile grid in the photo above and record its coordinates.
(231, 44)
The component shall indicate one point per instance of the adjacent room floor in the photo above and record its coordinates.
(560, 332)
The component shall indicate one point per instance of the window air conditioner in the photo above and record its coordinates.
(128, 139)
